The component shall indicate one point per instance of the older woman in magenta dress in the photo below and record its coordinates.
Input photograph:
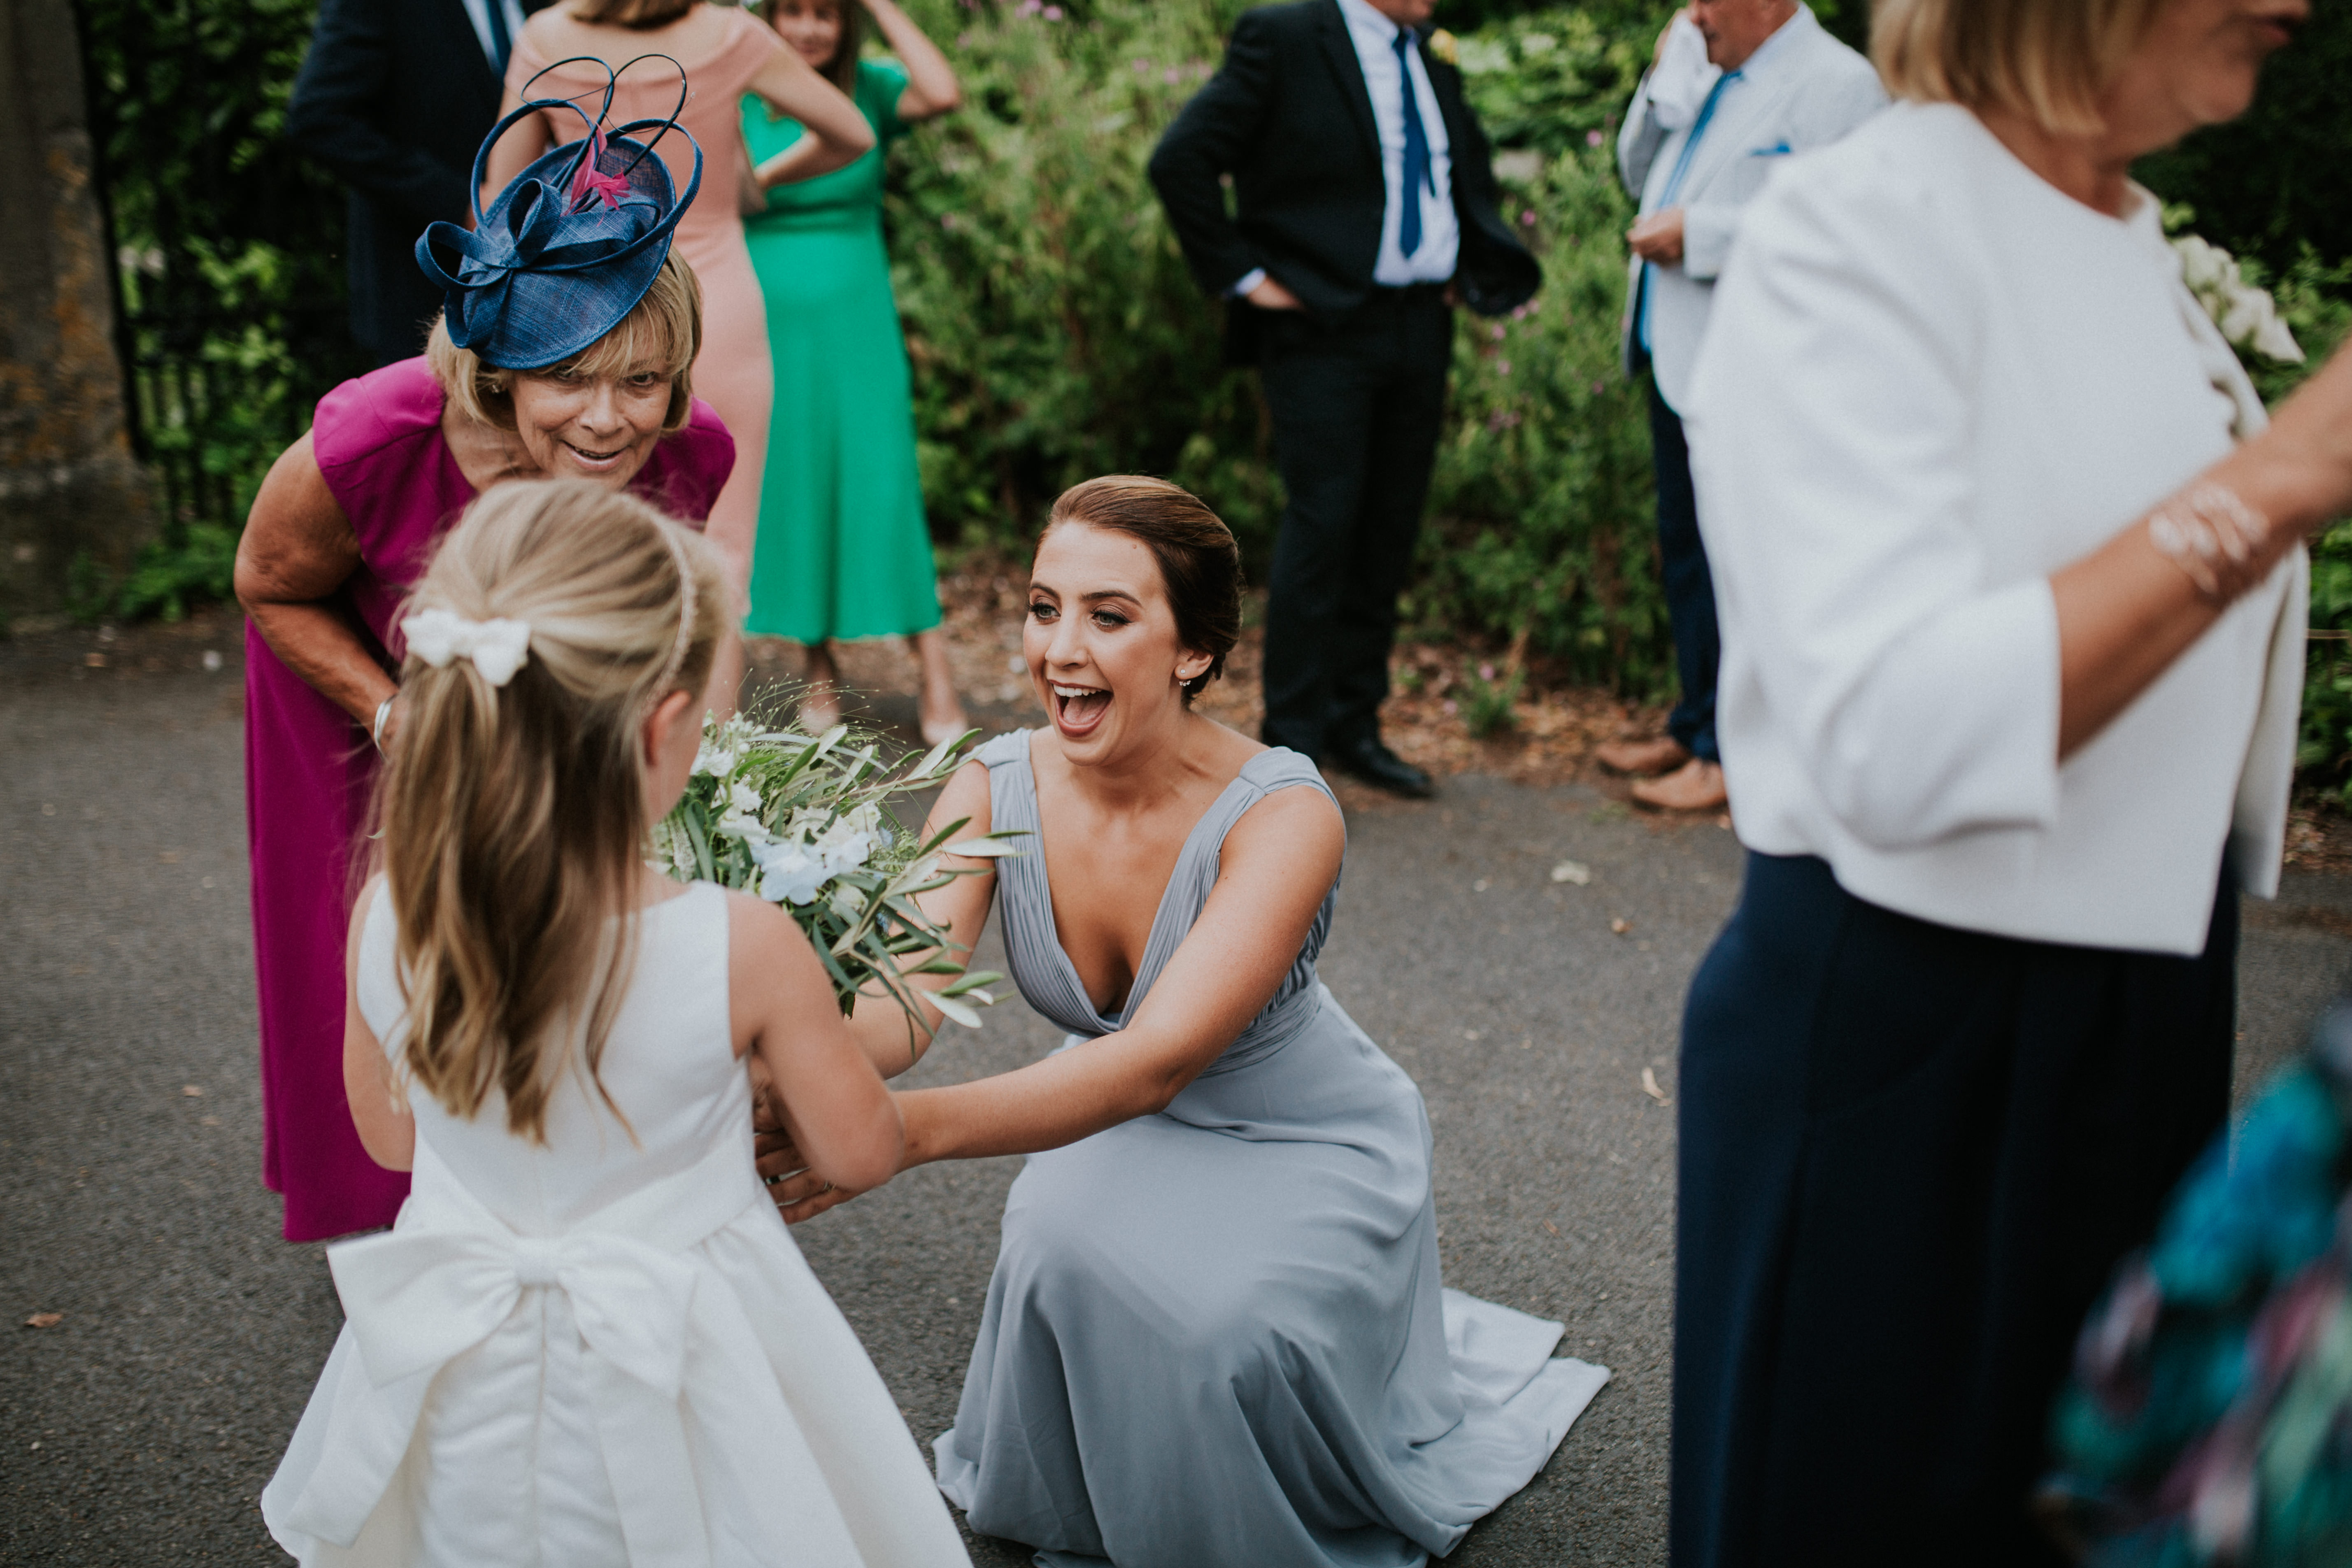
(844, 550)
(598, 387)
(725, 53)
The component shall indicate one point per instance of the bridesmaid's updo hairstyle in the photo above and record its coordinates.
(511, 808)
(662, 333)
(1200, 564)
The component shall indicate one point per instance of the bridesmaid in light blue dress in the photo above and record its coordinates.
(1216, 1336)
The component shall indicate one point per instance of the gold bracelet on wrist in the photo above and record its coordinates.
(2215, 537)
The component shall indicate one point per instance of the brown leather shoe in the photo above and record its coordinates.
(1657, 754)
(1696, 786)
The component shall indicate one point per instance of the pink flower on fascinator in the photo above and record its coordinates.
(589, 182)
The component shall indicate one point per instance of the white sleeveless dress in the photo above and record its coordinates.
(1216, 1337)
(604, 1350)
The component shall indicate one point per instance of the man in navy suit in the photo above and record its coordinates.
(1365, 207)
(395, 97)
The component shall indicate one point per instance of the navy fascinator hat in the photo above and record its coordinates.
(564, 253)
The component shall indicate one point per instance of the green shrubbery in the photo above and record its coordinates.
(1056, 334)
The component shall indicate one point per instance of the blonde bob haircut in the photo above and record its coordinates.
(2049, 61)
(512, 818)
(661, 333)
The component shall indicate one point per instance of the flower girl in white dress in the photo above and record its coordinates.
(589, 1339)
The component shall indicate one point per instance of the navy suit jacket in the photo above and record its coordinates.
(395, 97)
(1290, 118)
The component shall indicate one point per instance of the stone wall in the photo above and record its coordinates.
(68, 484)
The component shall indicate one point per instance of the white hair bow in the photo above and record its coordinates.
(497, 648)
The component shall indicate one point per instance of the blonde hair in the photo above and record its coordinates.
(513, 817)
(2049, 61)
(662, 332)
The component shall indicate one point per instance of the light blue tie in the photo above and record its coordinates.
(1675, 188)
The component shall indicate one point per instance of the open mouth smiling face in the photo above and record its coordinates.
(594, 427)
(1100, 638)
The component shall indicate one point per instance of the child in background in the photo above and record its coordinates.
(589, 1340)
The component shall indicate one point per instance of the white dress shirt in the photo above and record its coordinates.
(1433, 261)
(477, 13)
(1931, 380)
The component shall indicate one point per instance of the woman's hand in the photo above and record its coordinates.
(297, 551)
(2125, 612)
(836, 134)
(798, 1192)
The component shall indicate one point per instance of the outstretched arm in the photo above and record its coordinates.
(890, 1039)
(830, 1098)
(1276, 865)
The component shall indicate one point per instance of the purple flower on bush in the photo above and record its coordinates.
(1171, 76)
(1496, 332)
(1592, 139)
(1053, 13)
(1528, 218)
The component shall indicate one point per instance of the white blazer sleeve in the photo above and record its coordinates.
(1830, 417)
(1822, 111)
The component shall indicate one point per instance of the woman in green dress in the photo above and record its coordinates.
(843, 548)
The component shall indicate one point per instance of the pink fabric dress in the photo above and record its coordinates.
(309, 770)
(733, 371)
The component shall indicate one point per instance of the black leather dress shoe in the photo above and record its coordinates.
(1377, 766)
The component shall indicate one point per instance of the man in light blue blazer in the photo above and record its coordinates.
(1737, 88)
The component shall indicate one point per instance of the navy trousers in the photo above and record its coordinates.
(1356, 403)
(1689, 585)
(1910, 1157)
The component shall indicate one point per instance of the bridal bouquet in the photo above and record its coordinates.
(804, 821)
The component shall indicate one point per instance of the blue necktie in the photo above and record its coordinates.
(1416, 151)
(1675, 188)
(501, 41)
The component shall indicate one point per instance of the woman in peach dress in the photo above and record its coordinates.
(725, 53)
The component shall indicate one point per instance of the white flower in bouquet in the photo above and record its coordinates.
(2246, 314)
(805, 823)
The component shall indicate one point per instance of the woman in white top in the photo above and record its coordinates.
(2011, 589)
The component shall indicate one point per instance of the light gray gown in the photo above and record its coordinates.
(1215, 1336)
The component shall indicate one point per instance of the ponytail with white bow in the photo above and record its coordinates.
(554, 619)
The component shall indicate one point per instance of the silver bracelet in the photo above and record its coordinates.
(383, 711)
(2212, 535)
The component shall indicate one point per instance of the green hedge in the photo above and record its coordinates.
(1056, 335)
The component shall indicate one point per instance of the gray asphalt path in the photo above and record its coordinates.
(139, 1428)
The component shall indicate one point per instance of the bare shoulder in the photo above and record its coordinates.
(1299, 820)
(965, 800)
(755, 926)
